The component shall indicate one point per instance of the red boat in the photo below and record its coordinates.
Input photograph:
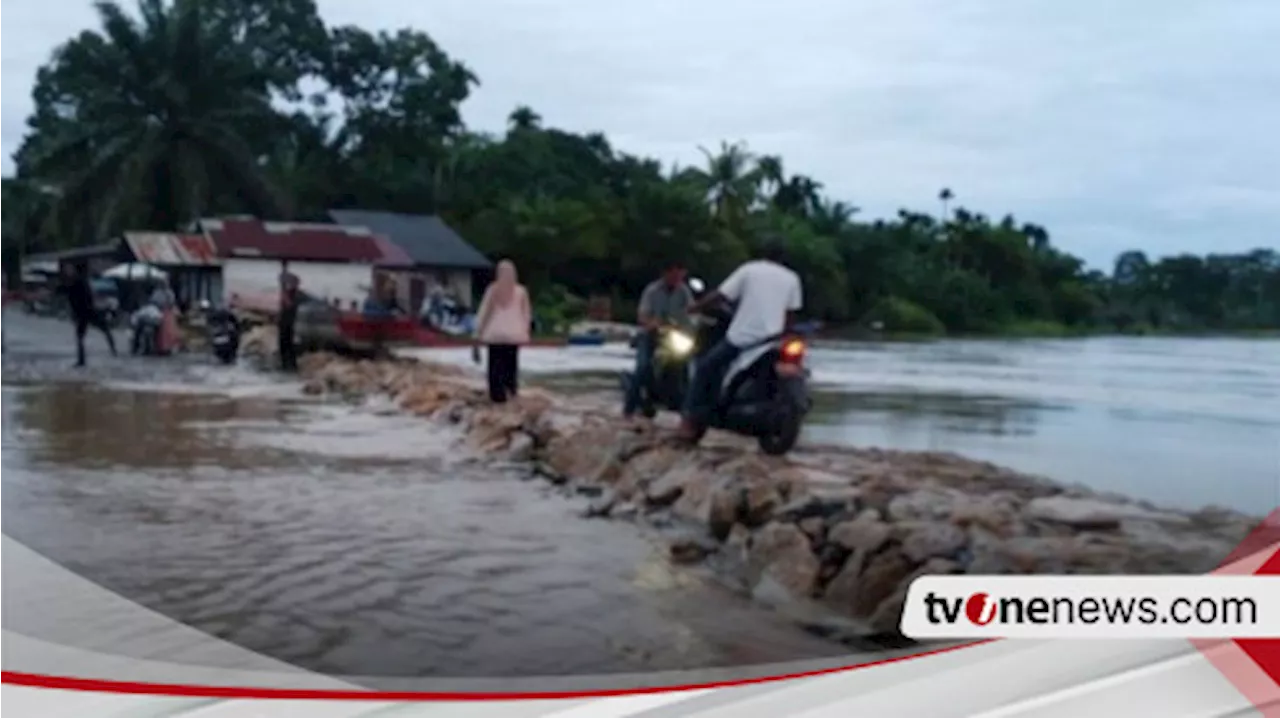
(321, 326)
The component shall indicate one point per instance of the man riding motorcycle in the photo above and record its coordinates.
(766, 294)
(665, 302)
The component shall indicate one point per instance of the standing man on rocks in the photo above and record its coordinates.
(79, 293)
(290, 294)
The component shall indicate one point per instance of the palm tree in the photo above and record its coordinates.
(945, 197)
(729, 181)
(798, 195)
(832, 218)
(771, 174)
(524, 118)
(163, 104)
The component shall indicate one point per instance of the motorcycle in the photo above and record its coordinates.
(667, 382)
(145, 323)
(224, 332)
(765, 393)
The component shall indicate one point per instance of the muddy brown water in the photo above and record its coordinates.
(344, 542)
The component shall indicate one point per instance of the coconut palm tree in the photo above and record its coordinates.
(771, 174)
(159, 107)
(524, 118)
(945, 197)
(832, 218)
(729, 181)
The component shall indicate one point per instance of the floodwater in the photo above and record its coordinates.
(346, 542)
(357, 543)
(1180, 422)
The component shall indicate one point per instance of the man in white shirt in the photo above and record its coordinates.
(767, 294)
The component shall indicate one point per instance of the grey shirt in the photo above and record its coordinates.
(669, 304)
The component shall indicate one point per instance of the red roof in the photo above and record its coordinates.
(392, 254)
(253, 238)
(172, 250)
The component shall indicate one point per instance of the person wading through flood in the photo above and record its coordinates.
(503, 324)
(79, 293)
(290, 294)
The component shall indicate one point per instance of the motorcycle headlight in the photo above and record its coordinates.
(680, 343)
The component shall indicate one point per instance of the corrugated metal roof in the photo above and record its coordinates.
(167, 249)
(393, 256)
(280, 240)
(425, 238)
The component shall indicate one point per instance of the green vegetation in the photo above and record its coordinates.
(190, 108)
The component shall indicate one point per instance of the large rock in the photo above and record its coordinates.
(886, 618)
(781, 552)
(996, 513)
(861, 587)
(667, 488)
(923, 505)
(924, 541)
(866, 533)
(762, 499)
(1089, 513)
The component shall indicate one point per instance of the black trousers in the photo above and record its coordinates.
(91, 319)
(504, 371)
(288, 349)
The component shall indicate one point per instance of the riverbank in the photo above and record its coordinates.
(825, 532)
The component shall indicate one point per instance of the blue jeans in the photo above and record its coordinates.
(708, 373)
(643, 372)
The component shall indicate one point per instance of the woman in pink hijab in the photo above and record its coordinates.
(502, 323)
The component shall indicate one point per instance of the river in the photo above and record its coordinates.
(1180, 422)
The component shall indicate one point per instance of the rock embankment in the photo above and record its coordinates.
(844, 530)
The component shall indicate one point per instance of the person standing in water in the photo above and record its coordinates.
(290, 293)
(79, 293)
(502, 324)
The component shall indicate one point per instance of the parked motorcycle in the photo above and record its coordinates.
(669, 379)
(145, 324)
(224, 332)
(765, 393)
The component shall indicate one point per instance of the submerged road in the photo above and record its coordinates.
(341, 541)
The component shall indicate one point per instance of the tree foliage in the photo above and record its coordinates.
(187, 108)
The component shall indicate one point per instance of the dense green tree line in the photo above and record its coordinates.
(189, 108)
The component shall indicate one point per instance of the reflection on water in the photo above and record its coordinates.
(227, 515)
(989, 415)
(91, 427)
(1179, 422)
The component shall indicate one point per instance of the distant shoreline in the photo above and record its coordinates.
(865, 335)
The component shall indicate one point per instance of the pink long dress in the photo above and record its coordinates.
(170, 334)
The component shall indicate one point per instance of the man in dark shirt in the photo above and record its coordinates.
(79, 294)
(664, 302)
(290, 295)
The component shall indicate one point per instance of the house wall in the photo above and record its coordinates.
(257, 281)
(192, 284)
(457, 281)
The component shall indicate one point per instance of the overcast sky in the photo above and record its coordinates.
(1116, 123)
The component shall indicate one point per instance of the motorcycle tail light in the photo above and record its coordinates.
(793, 351)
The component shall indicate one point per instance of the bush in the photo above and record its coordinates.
(899, 316)
(1036, 329)
(555, 308)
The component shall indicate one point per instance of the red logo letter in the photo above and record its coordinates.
(980, 609)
